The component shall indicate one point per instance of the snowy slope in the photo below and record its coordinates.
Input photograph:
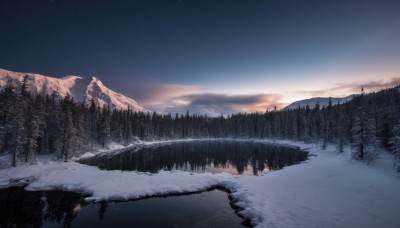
(81, 89)
(323, 101)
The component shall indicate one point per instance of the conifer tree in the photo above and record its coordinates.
(20, 136)
(105, 131)
(395, 146)
(8, 99)
(35, 128)
(70, 136)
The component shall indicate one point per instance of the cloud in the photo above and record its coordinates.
(344, 89)
(178, 98)
(371, 85)
(212, 104)
(158, 93)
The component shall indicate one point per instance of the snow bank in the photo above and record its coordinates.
(115, 148)
(328, 190)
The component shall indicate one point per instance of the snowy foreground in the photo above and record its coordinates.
(328, 190)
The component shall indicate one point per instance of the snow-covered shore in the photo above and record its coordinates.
(328, 190)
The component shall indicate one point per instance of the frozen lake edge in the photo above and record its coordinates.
(327, 190)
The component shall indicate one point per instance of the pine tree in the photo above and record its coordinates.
(364, 131)
(56, 123)
(340, 129)
(105, 130)
(359, 135)
(8, 100)
(35, 128)
(20, 136)
(358, 130)
(372, 141)
(70, 136)
(92, 121)
(79, 123)
(2, 137)
(395, 146)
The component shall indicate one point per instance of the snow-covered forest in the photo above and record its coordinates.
(31, 125)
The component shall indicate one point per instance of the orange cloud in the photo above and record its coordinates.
(213, 104)
(159, 93)
(345, 89)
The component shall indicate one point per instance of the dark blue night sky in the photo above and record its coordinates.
(169, 55)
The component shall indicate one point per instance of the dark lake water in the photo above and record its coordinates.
(233, 157)
(20, 208)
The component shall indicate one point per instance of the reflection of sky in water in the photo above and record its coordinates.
(248, 170)
(231, 169)
(236, 158)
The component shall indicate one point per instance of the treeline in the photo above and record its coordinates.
(49, 124)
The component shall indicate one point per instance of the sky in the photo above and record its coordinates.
(209, 57)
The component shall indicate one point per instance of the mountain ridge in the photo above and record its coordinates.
(80, 88)
(322, 101)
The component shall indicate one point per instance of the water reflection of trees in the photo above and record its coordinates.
(196, 156)
(20, 208)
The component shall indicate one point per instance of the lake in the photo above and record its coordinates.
(230, 156)
(20, 208)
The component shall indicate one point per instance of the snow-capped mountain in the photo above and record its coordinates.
(322, 101)
(81, 89)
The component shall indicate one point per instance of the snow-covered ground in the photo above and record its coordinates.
(117, 148)
(328, 190)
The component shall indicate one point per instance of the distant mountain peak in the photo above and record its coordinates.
(80, 88)
(321, 101)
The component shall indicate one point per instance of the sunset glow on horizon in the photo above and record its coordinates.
(209, 57)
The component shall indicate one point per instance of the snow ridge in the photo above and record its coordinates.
(80, 88)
